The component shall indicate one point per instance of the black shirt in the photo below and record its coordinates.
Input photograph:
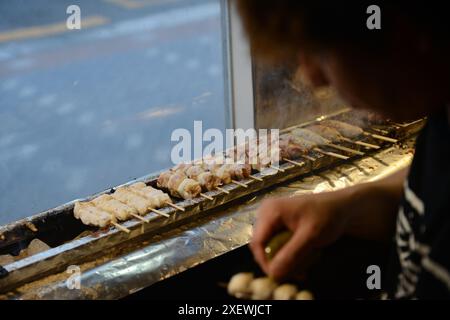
(420, 266)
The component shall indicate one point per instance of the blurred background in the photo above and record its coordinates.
(84, 110)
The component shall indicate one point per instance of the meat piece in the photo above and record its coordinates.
(207, 180)
(345, 129)
(327, 132)
(306, 145)
(188, 189)
(239, 171)
(222, 173)
(309, 136)
(128, 197)
(290, 150)
(163, 180)
(120, 210)
(36, 246)
(90, 215)
(175, 180)
(159, 198)
(179, 185)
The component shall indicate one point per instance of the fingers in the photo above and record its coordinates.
(267, 224)
(292, 255)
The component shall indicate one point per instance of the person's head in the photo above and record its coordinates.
(401, 70)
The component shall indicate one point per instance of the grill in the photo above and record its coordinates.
(73, 243)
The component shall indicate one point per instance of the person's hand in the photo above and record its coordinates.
(315, 222)
(366, 211)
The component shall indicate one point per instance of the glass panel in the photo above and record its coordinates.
(84, 110)
(282, 99)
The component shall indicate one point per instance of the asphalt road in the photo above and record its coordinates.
(84, 110)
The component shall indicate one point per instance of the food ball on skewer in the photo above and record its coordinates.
(304, 295)
(285, 292)
(262, 288)
(239, 285)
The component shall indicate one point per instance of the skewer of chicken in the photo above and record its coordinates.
(308, 145)
(285, 151)
(90, 215)
(132, 198)
(251, 153)
(333, 135)
(120, 210)
(321, 141)
(158, 198)
(352, 132)
(219, 170)
(228, 172)
(179, 185)
(208, 181)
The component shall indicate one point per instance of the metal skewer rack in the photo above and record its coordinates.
(58, 227)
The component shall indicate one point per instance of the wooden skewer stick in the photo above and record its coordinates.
(206, 196)
(256, 178)
(308, 158)
(277, 168)
(364, 144)
(223, 190)
(139, 217)
(298, 164)
(332, 154)
(239, 183)
(160, 213)
(380, 131)
(175, 206)
(376, 136)
(121, 228)
(345, 149)
(401, 125)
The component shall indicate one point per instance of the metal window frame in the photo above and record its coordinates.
(238, 70)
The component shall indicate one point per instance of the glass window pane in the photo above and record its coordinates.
(283, 99)
(85, 110)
